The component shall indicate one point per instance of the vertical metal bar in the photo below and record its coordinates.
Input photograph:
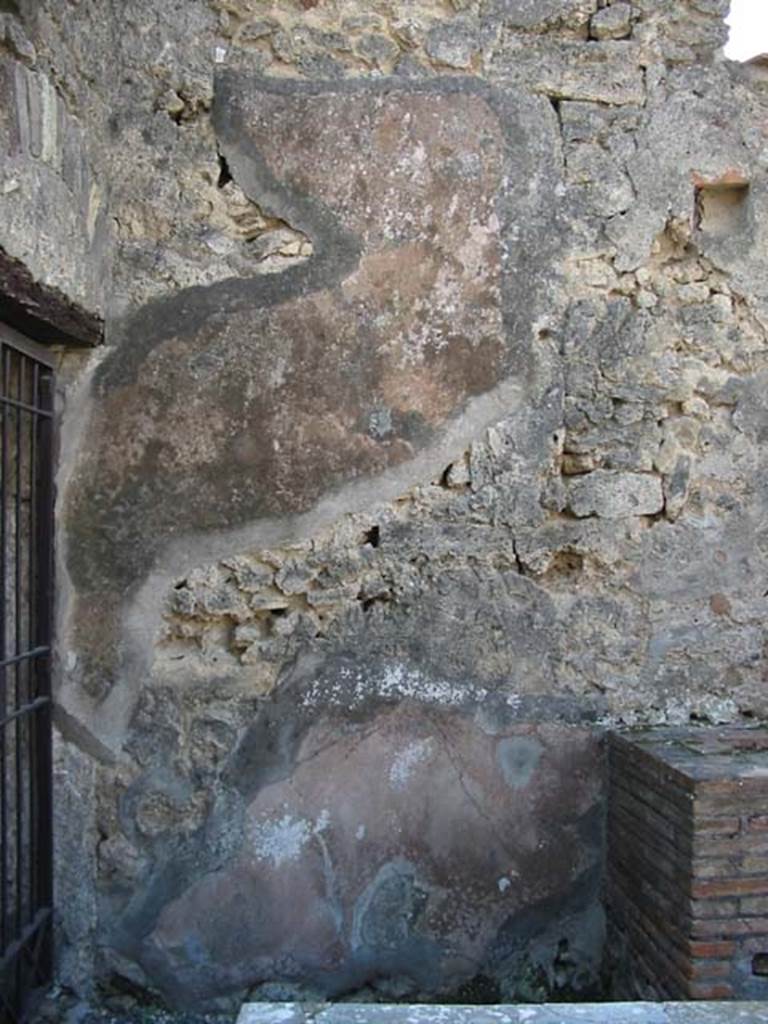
(6, 377)
(19, 634)
(43, 745)
(32, 732)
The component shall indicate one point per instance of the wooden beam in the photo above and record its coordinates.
(42, 313)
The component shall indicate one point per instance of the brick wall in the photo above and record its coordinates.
(687, 882)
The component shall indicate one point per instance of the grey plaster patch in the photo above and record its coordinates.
(518, 759)
(388, 911)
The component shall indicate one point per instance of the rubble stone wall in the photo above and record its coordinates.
(427, 441)
(53, 178)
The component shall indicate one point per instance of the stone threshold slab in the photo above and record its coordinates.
(572, 1013)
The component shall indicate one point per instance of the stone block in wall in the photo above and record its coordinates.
(614, 22)
(613, 495)
(606, 72)
(540, 15)
(688, 861)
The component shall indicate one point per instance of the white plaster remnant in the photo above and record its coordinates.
(352, 688)
(280, 841)
(407, 760)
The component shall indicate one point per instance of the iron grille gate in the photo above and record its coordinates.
(26, 571)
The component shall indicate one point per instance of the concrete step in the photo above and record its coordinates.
(570, 1013)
